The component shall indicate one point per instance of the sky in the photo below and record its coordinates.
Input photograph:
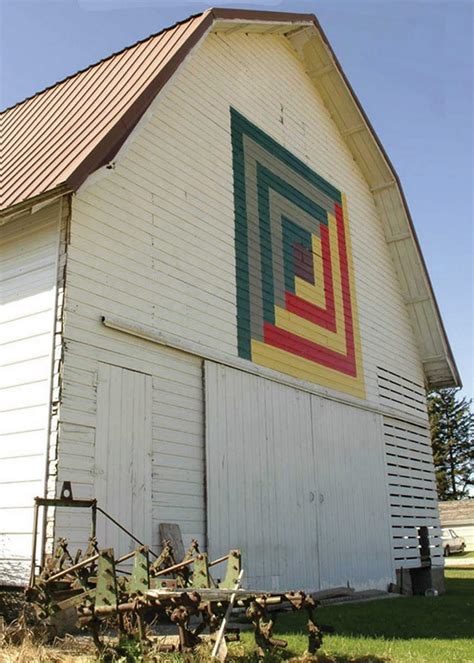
(410, 63)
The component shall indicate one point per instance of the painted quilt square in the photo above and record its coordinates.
(296, 306)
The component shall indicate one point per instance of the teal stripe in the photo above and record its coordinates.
(241, 240)
(266, 261)
(245, 126)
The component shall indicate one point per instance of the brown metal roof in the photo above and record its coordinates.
(57, 137)
(60, 135)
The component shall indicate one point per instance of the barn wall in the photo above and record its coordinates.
(153, 244)
(29, 295)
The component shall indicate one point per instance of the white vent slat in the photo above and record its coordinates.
(401, 393)
(412, 493)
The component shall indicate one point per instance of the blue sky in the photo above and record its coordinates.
(410, 63)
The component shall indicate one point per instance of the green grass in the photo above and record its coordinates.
(401, 630)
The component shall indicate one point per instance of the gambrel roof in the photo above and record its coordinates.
(54, 140)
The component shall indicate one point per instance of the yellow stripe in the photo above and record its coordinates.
(304, 369)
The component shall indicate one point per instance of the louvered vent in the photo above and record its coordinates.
(400, 393)
(412, 492)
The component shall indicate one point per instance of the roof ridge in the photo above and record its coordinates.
(102, 60)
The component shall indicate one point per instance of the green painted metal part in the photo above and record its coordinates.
(139, 581)
(201, 578)
(232, 571)
(106, 592)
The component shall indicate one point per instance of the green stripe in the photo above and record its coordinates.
(242, 261)
(245, 126)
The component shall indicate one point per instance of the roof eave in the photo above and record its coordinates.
(29, 204)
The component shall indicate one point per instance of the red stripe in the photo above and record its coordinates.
(323, 317)
(302, 347)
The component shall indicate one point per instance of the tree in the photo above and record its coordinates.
(452, 439)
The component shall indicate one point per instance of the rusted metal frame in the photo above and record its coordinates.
(180, 616)
(218, 560)
(84, 562)
(300, 601)
(187, 562)
(201, 577)
(233, 570)
(57, 501)
(263, 627)
(175, 567)
(106, 595)
(139, 581)
(46, 502)
(221, 633)
(31, 582)
(130, 600)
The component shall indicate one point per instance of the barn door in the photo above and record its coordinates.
(261, 486)
(123, 456)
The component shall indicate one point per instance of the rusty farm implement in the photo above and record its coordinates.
(137, 598)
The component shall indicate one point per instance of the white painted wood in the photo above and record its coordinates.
(123, 456)
(400, 393)
(353, 510)
(262, 492)
(412, 491)
(303, 480)
(177, 462)
(29, 261)
(170, 340)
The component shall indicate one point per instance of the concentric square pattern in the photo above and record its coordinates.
(296, 308)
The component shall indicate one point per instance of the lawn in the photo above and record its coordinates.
(415, 629)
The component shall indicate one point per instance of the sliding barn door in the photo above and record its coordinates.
(123, 456)
(261, 479)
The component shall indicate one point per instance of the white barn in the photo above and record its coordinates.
(215, 311)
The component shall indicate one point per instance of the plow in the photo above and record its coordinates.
(142, 597)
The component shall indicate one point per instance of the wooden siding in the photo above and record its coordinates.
(29, 248)
(177, 462)
(297, 482)
(123, 456)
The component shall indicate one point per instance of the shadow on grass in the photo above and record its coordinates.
(443, 617)
(291, 657)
